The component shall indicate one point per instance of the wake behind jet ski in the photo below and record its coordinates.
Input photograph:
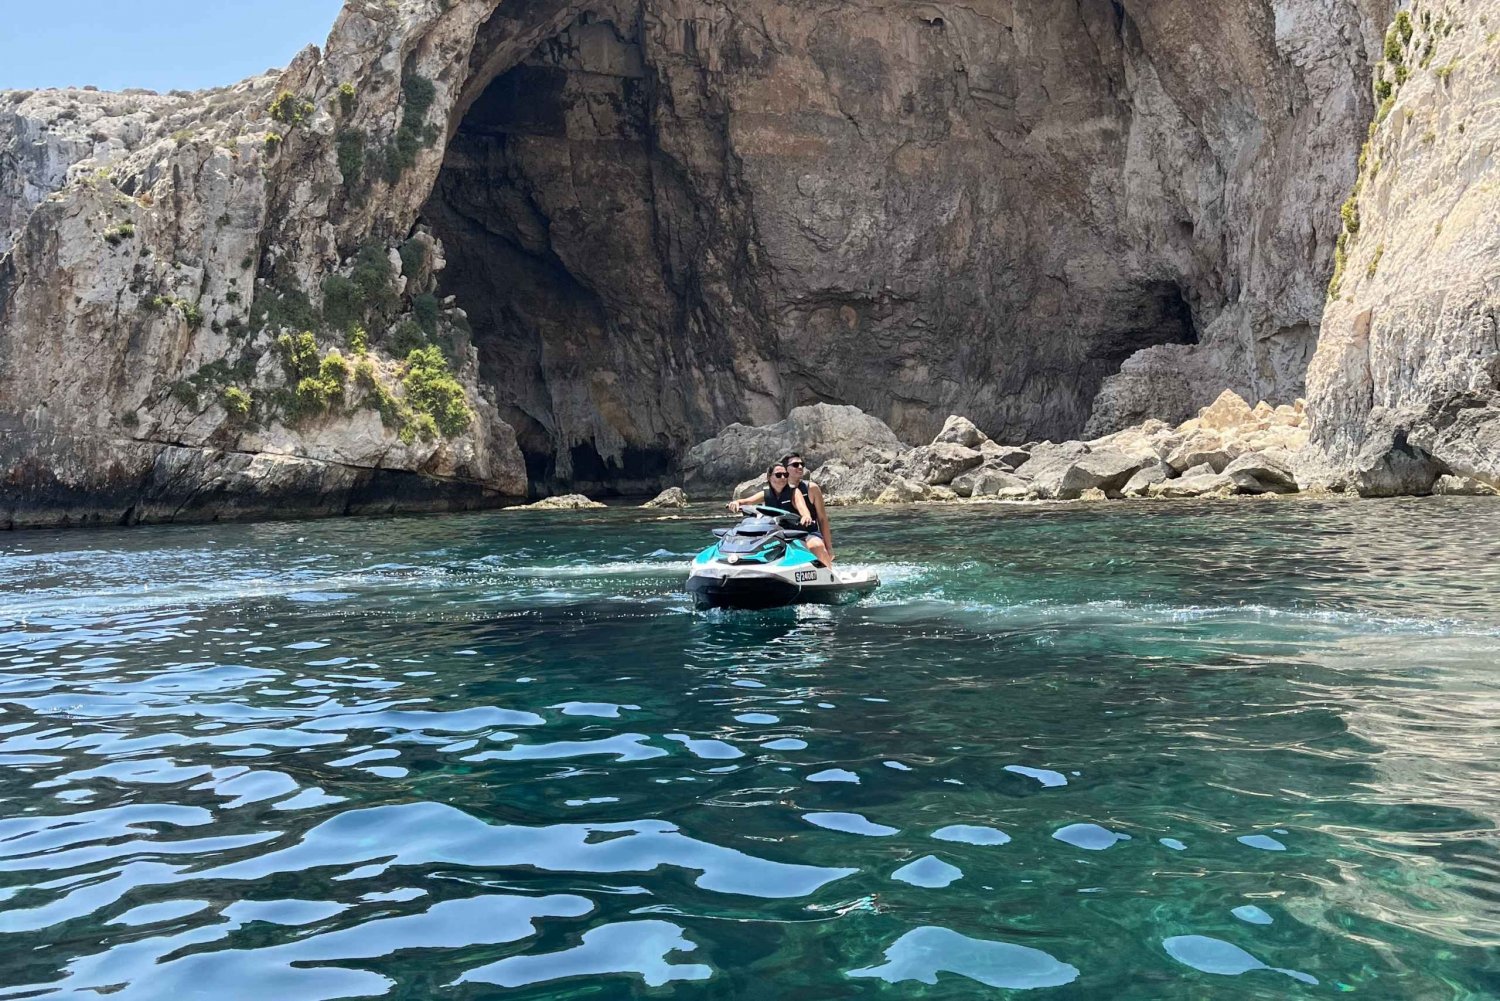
(763, 563)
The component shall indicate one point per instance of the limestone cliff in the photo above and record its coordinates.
(1405, 386)
(627, 225)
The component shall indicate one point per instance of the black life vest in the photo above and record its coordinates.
(780, 498)
(783, 499)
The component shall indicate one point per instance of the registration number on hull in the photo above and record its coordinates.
(803, 576)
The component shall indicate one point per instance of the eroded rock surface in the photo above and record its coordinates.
(655, 219)
(1405, 387)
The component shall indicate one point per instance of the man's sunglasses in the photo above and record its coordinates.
(795, 465)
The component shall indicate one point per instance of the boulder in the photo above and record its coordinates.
(1063, 474)
(566, 502)
(989, 480)
(671, 497)
(939, 463)
(1463, 486)
(1046, 458)
(1263, 473)
(1463, 433)
(1145, 478)
(749, 487)
(904, 490)
(1093, 494)
(1200, 470)
(1202, 446)
(1009, 455)
(1152, 439)
(1197, 485)
(846, 484)
(1389, 464)
(822, 433)
(1229, 411)
(960, 431)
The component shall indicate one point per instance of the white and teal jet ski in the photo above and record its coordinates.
(763, 563)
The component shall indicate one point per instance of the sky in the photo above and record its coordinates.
(159, 44)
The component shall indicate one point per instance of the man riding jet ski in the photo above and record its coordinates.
(763, 562)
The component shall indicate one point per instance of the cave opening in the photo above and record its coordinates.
(1158, 313)
(545, 205)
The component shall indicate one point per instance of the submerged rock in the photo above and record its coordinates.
(567, 502)
(672, 497)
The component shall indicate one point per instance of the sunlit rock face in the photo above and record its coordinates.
(656, 219)
(1405, 387)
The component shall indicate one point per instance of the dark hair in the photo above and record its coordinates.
(773, 469)
(792, 455)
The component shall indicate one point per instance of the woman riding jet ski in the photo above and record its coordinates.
(763, 562)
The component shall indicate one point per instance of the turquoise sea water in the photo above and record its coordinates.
(1126, 751)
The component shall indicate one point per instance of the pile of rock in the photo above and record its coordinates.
(1229, 448)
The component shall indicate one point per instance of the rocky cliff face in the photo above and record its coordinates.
(626, 225)
(1405, 386)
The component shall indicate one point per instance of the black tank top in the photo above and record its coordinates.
(783, 499)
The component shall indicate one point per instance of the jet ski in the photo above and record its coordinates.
(763, 562)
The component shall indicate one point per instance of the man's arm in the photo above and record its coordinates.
(801, 506)
(816, 493)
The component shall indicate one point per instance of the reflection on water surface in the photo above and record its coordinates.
(1141, 752)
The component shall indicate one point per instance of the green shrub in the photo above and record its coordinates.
(413, 258)
(406, 337)
(273, 143)
(1375, 261)
(1404, 26)
(280, 308)
(350, 144)
(426, 310)
(359, 339)
(299, 355)
(334, 368)
(185, 393)
(289, 109)
(1349, 212)
(236, 401)
(1340, 261)
(316, 396)
(417, 95)
(432, 391)
(116, 235)
(374, 276)
(1444, 72)
(130, 419)
(343, 304)
(347, 98)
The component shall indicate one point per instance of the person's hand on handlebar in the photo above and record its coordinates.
(806, 520)
(734, 507)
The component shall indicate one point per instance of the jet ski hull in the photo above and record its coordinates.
(729, 587)
(765, 563)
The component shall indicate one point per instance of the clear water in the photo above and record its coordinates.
(1126, 752)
